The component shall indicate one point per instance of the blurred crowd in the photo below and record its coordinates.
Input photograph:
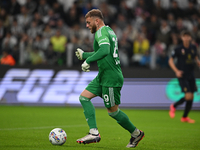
(47, 32)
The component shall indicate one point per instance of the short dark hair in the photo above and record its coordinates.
(185, 32)
(94, 13)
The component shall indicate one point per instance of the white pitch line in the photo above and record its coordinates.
(31, 128)
(83, 125)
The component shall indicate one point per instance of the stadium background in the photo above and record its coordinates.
(147, 31)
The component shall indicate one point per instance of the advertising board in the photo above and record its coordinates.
(46, 86)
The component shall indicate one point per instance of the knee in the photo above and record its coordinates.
(189, 96)
(83, 98)
(113, 114)
(113, 109)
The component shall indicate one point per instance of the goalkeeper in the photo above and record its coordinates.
(108, 82)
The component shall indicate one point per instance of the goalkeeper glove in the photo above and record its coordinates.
(85, 66)
(79, 53)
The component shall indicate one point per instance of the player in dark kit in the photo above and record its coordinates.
(186, 55)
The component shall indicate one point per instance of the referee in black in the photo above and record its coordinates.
(186, 55)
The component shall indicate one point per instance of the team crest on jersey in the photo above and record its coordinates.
(183, 51)
(192, 51)
(185, 89)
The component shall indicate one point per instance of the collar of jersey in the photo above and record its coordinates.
(101, 27)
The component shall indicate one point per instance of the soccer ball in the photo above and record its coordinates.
(57, 136)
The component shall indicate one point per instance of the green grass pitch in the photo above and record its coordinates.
(28, 127)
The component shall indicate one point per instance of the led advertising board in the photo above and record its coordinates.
(45, 86)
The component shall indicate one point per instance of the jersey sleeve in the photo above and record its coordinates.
(87, 54)
(103, 51)
(102, 38)
(174, 53)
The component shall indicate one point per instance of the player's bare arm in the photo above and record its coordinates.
(197, 61)
(178, 73)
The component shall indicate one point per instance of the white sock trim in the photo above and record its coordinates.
(135, 133)
(94, 131)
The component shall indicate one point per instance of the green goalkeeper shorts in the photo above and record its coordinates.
(110, 95)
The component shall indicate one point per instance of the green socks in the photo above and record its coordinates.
(120, 116)
(123, 120)
(89, 111)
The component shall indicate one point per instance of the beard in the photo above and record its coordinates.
(94, 29)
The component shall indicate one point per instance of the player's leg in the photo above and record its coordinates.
(88, 107)
(189, 101)
(181, 101)
(174, 106)
(111, 97)
(189, 90)
(91, 91)
(183, 83)
(124, 121)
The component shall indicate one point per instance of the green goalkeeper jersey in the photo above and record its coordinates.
(106, 54)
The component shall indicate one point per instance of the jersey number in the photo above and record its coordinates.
(115, 55)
